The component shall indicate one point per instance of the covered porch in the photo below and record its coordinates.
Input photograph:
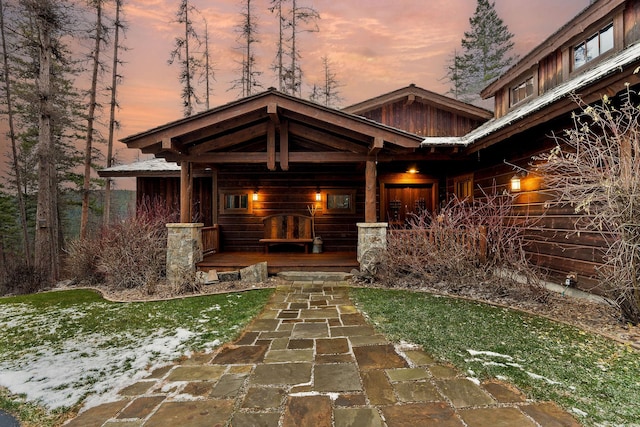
(276, 155)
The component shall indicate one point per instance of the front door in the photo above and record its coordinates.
(405, 200)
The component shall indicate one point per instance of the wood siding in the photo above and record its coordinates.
(552, 239)
(556, 67)
(422, 119)
(291, 192)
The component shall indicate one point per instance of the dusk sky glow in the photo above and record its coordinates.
(374, 46)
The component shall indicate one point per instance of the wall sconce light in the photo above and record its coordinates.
(255, 196)
(318, 195)
(515, 184)
(516, 181)
(412, 170)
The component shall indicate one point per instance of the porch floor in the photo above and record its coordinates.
(281, 261)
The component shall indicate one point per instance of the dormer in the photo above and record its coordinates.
(601, 30)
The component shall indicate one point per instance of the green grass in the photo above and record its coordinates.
(580, 371)
(80, 324)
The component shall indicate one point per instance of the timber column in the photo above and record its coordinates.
(186, 191)
(184, 249)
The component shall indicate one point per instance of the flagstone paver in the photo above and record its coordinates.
(311, 359)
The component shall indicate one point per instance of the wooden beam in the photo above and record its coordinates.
(271, 146)
(272, 111)
(186, 191)
(376, 146)
(231, 139)
(284, 146)
(253, 157)
(370, 192)
(324, 138)
(410, 99)
(168, 144)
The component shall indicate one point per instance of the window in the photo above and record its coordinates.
(521, 91)
(463, 187)
(594, 46)
(341, 201)
(236, 201)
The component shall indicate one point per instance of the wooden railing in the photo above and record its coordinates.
(210, 240)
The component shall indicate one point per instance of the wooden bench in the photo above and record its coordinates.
(287, 229)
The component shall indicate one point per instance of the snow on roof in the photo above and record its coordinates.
(609, 66)
(151, 165)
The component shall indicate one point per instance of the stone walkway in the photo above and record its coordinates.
(311, 359)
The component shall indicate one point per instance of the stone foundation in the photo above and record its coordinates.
(184, 249)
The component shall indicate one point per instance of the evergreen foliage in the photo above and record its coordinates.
(485, 55)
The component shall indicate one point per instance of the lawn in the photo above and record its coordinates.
(61, 348)
(594, 378)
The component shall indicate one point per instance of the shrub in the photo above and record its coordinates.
(464, 243)
(130, 253)
(595, 169)
(82, 260)
(22, 279)
(133, 251)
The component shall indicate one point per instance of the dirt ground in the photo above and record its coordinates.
(592, 316)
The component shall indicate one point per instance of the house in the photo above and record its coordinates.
(374, 162)
(595, 54)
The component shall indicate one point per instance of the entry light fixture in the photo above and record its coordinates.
(516, 184)
(255, 196)
(413, 170)
(318, 195)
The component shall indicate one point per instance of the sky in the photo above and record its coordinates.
(374, 47)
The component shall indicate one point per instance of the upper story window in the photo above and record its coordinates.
(594, 46)
(521, 91)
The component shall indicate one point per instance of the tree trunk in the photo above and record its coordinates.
(46, 243)
(88, 154)
(112, 112)
(12, 137)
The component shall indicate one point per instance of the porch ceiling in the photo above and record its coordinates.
(273, 127)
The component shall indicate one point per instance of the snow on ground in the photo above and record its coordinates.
(87, 364)
(478, 357)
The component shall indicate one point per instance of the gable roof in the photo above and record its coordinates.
(577, 25)
(611, 75)
(413, 93)
(245, 131)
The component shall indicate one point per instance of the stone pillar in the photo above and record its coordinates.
(184, 249)
(372, 240)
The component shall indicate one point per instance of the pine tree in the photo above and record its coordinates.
(183, 52)
(303, 19)
(326, 93)
(486, 53)
(12, 136)
(277, 8)
(91, 116)
(248, 30)
(118, 26)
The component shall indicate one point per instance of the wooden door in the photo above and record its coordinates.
(404, 200)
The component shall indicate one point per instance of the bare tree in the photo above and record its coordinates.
(91, 117)
(115, 79)
(248, 37)
(183, 52)
(12, 137)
